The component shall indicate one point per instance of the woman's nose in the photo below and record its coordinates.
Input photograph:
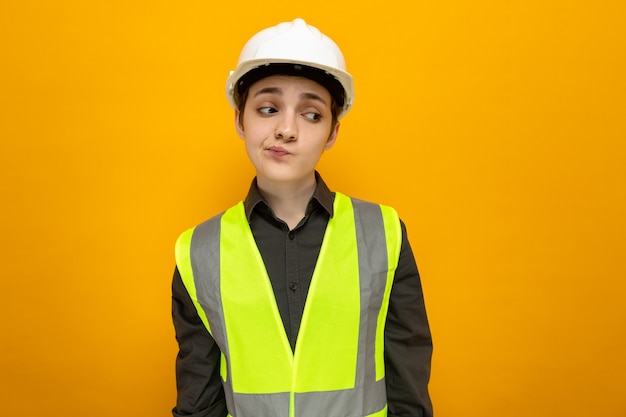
(287, 128)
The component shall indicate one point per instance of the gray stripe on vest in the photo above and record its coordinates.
(344, 403)
(372, 247)
(205, 262)
(368, 395)
(270, 405)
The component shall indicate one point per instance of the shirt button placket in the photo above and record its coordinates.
(292, 282)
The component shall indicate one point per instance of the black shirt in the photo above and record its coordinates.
(290, 257)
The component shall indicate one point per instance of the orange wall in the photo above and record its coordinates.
(497, 129)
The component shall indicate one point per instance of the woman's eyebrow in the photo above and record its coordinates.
(269, 90)
(313, 96)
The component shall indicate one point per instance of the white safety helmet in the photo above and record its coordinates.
(293, 48)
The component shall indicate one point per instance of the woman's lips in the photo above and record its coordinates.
(277, 151)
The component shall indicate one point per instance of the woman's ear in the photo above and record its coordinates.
(332, 138)
(238, 125)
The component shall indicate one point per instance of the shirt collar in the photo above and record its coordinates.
(322, 195)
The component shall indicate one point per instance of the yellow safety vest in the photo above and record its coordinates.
(338, 367)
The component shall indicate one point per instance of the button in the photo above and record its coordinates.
(293, 286)
(291, 235)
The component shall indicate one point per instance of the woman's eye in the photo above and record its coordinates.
(313, 116)
(266, 110)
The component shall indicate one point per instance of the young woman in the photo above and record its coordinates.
(298, 301)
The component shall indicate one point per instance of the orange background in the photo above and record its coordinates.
(497, 129)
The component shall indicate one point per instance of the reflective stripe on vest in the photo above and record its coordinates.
(338, 367)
